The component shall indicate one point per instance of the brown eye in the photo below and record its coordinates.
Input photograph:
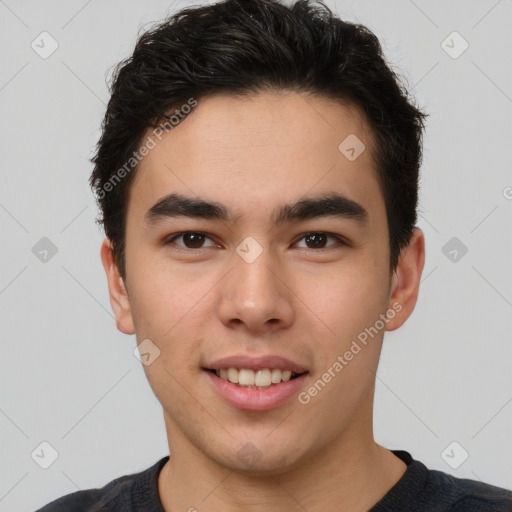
(191, 240)
(318, 240)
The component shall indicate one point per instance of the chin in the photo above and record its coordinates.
(258, 457)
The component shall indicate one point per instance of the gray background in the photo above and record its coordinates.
(69, 378)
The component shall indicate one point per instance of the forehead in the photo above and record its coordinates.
(256, 149)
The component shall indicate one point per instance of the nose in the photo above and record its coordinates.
(257, 296)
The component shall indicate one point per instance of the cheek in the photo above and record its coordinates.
(163, 294)
(169, 306)
(345, 301)
(352, 304)
(167, 310)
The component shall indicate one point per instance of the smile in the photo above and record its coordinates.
(255, 391)
(260, 379)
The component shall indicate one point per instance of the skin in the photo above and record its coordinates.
(308, 304)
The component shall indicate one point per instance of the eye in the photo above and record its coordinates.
(191, 240)
(196, 240)
(318, 239)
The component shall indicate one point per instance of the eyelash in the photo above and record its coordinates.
(170, 240)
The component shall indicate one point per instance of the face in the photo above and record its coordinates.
(253, 279)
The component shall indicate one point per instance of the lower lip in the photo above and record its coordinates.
(256, 399)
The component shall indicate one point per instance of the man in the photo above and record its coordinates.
(258, 181)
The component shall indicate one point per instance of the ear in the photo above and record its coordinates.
(118, 294)
(405, 281)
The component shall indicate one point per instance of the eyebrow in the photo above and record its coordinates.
(306, 208)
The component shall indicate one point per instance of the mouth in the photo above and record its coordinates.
(255, 379)
(255, 390)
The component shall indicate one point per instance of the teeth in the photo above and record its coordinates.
(286, 375)
(260, 379)
(276, 376)
(245, 377)
(231, 375)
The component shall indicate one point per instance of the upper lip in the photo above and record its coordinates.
(256, 363)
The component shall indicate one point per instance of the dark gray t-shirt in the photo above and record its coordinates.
(419, 490)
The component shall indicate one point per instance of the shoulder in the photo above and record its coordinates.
(104, 498)
(468, 495)
(115, 496)
(421, 489)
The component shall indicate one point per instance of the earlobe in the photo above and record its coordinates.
(119, 300)
(405, 281)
